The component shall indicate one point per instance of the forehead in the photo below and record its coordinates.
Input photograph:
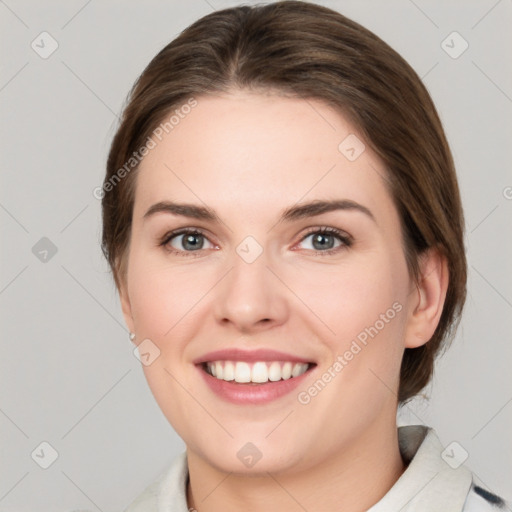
(262, 152)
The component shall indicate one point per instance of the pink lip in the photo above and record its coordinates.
(236, 354)
(251, 393)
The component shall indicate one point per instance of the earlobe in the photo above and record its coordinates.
(430, 296)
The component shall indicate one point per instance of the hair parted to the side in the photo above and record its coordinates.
(300, 49)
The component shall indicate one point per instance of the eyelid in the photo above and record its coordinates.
(165, 240)
(329, 230)
(345, 238)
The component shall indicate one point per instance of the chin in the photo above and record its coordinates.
(241, 455)
(251, 461)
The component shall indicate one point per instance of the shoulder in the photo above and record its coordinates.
(482, 500)
(148, 499)
(167, 492)
(435, 479)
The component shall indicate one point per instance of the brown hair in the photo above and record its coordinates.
(306, 50)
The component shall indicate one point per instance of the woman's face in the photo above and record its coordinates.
(259, 276)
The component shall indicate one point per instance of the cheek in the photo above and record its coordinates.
(362, 306)
(355, 296)
(165, 302)
(164, 297)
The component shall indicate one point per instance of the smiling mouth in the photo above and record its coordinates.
(258, 372)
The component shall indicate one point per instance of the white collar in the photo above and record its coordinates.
(427, 484)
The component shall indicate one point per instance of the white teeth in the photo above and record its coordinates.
(286, 372)
(297, 370)
(218, 370)
(274, 372)
(229, 371)
(242, 372)
(258, 372)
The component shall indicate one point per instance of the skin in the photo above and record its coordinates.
(249, 156)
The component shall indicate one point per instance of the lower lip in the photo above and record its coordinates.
(238, 393)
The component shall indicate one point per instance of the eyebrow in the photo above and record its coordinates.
(301, 211)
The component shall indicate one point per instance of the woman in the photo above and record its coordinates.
(283, 222)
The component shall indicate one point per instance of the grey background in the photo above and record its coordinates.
(68, 373)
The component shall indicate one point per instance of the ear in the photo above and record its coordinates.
(427, 298)
(126, 305)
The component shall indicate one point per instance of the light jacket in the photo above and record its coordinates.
(434, 481)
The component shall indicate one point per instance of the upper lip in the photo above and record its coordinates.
(236, 354)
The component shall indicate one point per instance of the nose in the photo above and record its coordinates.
(250, 298)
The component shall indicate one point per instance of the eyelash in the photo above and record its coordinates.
(345, 239)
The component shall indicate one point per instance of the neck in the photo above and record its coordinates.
(351, 479)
